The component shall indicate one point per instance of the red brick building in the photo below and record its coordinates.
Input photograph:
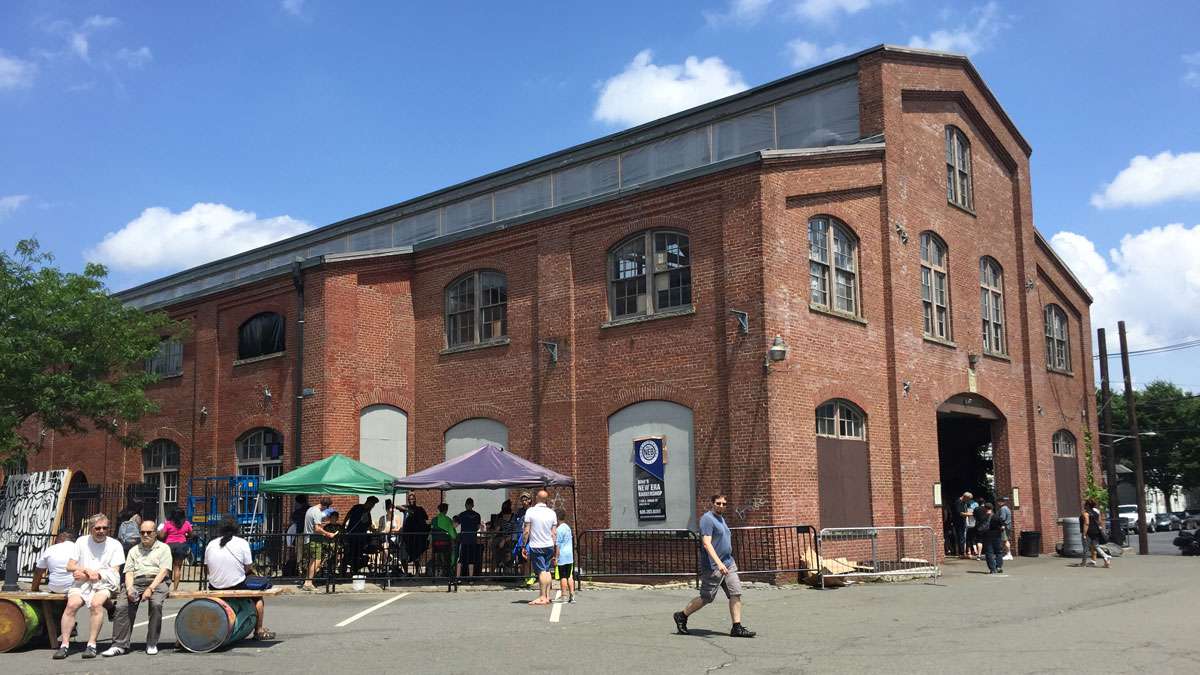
(872, 216)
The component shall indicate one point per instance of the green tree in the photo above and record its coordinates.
(70, 354)
(1170, 457)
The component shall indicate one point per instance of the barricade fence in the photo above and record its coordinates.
(774, 551)
(848, 552)
(604, 554)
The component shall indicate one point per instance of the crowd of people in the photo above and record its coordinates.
(99, 573)
(983, 531)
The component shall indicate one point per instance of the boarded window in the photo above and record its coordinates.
(843, 465)
(261, 334)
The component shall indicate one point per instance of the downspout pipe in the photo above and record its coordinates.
(298, 375)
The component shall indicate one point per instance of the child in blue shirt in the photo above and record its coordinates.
(564, 553)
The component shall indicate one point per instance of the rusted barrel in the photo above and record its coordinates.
(19, 622)
(205, 624)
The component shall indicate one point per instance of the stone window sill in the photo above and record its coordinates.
(964, 209)
(821, 309)
(164, 378)
(256, 359)
(640, 318)
(498, 342)
(1060, 371)
(998, 357)
(939, 341)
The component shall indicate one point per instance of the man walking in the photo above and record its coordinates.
(95, 567)
(314, 538)
(146, 570)
(717, 569)
(1005, 514)
(539, 533)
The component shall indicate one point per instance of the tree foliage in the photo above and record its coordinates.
(71, 355)
(1171, 457)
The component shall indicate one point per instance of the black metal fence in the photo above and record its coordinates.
(776, 550)
(601, 554)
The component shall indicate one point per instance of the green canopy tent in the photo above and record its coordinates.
(334, 475)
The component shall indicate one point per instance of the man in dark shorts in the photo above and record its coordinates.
(468, 539)
(717, 570)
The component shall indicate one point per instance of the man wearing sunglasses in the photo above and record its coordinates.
(717, 570)
(146, 570)
(95, 568)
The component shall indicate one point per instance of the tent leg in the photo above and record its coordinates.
(578, 528)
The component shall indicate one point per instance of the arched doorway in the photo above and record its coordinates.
(972, 455)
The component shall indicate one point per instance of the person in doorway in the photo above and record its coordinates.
(564, 556)
(51, 565)
(1006, 515)
(469, 522)
(415, 533)
(146, 570)
(175, 533)
(539, 534)
(95, 568)
(717, 570)
(1090, 524)
(315, 535)
(966, 510)
(228, 561)
(990, 532)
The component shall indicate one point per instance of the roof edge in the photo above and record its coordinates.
(1044, 244)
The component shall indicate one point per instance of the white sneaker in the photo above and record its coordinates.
(151, 649)
(112, 651)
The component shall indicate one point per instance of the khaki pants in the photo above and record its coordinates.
(127, 609)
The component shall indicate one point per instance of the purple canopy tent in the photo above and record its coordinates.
(489, 467)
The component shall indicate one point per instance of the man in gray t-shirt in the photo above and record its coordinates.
(717, 570)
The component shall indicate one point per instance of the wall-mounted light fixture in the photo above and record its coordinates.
(307, 391)
(1016, 498)
(1040, 412)
(1029, 284)
(743, 320)
(972, 360)
(551, 348)
(907, 387)
(203, 413)
(902, 232)
(777, 352)
(266, 392)
(937, 494)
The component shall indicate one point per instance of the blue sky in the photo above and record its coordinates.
(155, 136)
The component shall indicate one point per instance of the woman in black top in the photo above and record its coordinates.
(1089, 522)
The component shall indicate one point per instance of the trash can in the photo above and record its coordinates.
(1072, 539)
(1030, 543)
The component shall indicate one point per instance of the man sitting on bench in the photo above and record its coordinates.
(52, 565)
(228, 560)
(95, 567)
(146, 570)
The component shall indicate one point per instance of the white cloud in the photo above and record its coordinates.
(10, 203)
(79, 38)
(743, 12)
(1152, 180)
(1152, 282)
(969, 39)
(134, 58)
(750, 12)
(1191, 75)
(645, 91)
(293, 7)
(15, 73)
(803, 54)
(827, 10)
(159, 239)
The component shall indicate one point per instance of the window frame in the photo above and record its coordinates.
(959, 179)
(652, 269)
(929, 304)
(1063, 444)
(1058, 339)
(476, 310)
(830, 268)
(282, 338)
(844, 412)
(159, 472)
(993, 322)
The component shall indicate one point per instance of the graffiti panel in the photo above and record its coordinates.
(30, 506)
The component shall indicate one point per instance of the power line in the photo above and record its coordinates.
(1190, 344)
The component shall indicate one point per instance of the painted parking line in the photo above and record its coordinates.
(556, 610)
(147, 623)
(370, 609)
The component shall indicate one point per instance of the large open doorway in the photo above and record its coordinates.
(970, 430)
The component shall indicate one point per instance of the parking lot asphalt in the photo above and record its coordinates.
(1045, 615)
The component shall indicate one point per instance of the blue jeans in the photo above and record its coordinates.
(993, 552)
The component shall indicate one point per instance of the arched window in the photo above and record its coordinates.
(991, 305)
(658, 259)
(935, 286)
(832, 265)
(1063, 444)
(958, 168)
(1058, 342)
(260, 335)
(840, 419)
(160, 467)
(477, 309)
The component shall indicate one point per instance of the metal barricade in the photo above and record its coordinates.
(773, 550)
(601, 554)
(875, 552)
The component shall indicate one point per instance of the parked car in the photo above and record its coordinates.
(1128, 515)
(1166, 521)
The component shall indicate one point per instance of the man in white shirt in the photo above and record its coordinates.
(95, 567)
(539, 532)
(52, 565)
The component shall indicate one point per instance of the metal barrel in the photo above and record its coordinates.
(205, 624)
(19, 622)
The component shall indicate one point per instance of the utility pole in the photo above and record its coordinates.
(1140, 481)
(1116, 530)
